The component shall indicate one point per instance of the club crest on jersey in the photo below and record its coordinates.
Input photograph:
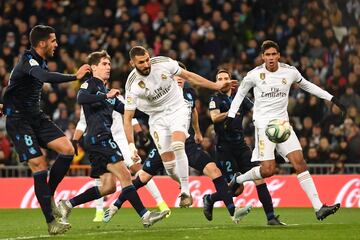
(262, 76)
(284, 81)
(163, 77)
(33, 62)
(141, 84)
(129, 100)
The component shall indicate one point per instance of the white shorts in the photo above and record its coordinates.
(163, 124)
(264, 148)
(125, 150)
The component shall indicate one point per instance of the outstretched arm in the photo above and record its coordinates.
(313, 89)
(319, 92)
(203, 82)
(243, 89)
(55, 77)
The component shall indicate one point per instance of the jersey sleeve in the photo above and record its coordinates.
(119, 106)
(214, 103)
(173, 67)
(130, 101)
(81, 125)
(297, 76)
(311, 88)
(192, 92)
(86, 95)
(32, 68)
(315, 90)
(246, 84)
(29, 64)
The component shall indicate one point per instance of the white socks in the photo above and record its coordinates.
(182, 165)
(99, 203)
(170, 168)
(155, 193)
(252, 174)
(68, 203)
(309, 187)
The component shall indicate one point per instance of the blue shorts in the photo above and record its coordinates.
(101, 153)
(198, 158)
(29, 133)
(232, 158)
(153, 164)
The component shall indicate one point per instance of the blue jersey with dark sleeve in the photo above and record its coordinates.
(222, 102)
(23, 93)
(190, 97)
(97, 108)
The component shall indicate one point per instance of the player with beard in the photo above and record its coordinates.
(31, 129)
(151, 88)
(198, 160)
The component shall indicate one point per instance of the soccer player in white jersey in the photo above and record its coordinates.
(118, 133)
(150, 87)
(271, 82)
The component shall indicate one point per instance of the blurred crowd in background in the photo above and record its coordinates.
(319, 37)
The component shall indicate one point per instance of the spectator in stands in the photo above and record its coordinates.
(5, 146)
(312, 155)
(350, 98)
(352, 134)
(326, 38)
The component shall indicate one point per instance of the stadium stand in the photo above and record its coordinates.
(319, 37)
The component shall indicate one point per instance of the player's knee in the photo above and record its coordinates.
(177, 146)
(144, 176)
(107, 189)
(212, 171)
(300, 166)
(37, 164)
(239, 190)
(67, 149)
(259, 182)
(298, 162)
(268, 171)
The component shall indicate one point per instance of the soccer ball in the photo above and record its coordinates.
(278, 131)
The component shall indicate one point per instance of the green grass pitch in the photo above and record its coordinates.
(186, 224)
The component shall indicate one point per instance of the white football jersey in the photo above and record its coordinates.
(157, 91)
(271, 92)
